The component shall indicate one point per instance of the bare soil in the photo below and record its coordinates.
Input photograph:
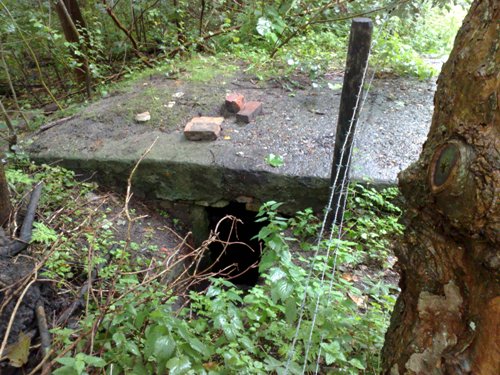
(150, 229)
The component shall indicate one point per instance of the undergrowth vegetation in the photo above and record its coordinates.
(48, 59)
(146, 309)
(126, 306)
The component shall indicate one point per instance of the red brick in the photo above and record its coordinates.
(203, 128)
(249, 112)
(234, 102)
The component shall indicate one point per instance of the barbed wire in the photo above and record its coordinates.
(360, 102)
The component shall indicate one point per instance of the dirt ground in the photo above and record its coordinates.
(151, 228)
(298, 123)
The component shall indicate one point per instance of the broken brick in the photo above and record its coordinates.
(234, 102)
(203, 128)
(249, 112)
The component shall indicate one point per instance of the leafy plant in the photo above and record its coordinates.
(77, 365)
(43, 234)
(376, 221)
(275, 38)
(275, 160)
(228, 330)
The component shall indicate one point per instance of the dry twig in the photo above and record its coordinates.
(13, 315)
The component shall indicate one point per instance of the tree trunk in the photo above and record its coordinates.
(447, 318)
(75, 13)
(71, 19)
(5, 205)
(181, 38)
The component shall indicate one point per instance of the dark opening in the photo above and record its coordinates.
(239, 260)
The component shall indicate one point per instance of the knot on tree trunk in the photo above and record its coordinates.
(451, 180)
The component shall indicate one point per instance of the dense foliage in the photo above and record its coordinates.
(49, 58)
(137, 320)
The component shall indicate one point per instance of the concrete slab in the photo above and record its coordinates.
(297, 124)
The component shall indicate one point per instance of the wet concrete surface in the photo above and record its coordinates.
(298, 124)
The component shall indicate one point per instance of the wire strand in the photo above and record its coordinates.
(343, 191)
(343, 186)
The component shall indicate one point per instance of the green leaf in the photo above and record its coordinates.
(357, 363)
(290, 310)
(133, 348)
(281, 290)
(272, 159)
(264, 26)
(199, 346)
(193, 342)
(93, 361)
(66, 370)
(179, 366)
(42, 233)
(79, 366)
(276, 274)
(264, 233)
(232, 359)
(333, 352)
(140, 369)
(269, 259)
(164, 347)
(119, 338)
(329, 359)
(248, 344)
(153, 332)
(228, 328)
(213, 291)
(67, 361)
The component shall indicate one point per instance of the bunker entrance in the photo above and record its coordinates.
(236, 255)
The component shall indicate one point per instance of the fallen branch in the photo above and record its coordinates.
(43, 328)
(53, 123)
(16, 246)
(129, 194)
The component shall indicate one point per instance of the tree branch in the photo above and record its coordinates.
(315, 21)
(11, 86)
(18, 245)
(175, 51)
(128, 33)
(33, 55)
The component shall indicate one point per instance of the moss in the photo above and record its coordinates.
(205, 69)
(200, 87)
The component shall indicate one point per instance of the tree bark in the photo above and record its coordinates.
(5, 205)
(75, 13)
(71, 19)
(447, 317)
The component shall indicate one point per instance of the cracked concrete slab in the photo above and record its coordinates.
(298, 124)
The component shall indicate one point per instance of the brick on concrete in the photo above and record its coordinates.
(249, 112)
(203, 128)
(234, 102)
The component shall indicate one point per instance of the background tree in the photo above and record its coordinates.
(5, 205)
(447, 318)
(52, 45)
(73, 24)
